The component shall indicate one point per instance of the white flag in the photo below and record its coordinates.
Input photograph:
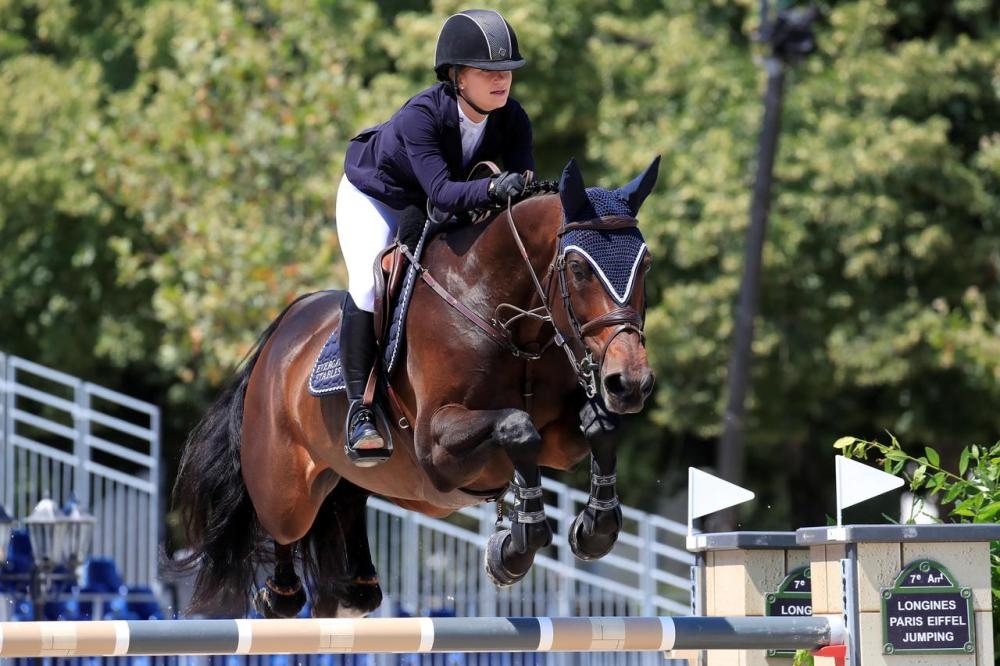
(708, 494)
(857, 482)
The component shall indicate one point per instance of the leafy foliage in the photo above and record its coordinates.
(168, 172)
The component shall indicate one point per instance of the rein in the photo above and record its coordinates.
(498, 330)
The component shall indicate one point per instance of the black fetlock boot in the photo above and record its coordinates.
(365, 446)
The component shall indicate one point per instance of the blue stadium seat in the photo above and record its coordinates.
(145, 609)
(100, 574)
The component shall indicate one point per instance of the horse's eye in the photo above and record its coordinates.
(580, 269)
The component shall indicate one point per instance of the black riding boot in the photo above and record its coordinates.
(365, 446)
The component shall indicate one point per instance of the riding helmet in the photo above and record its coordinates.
(476, 38)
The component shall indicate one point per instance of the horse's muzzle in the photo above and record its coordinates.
(626, 392)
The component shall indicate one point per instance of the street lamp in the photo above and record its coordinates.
(57, 538)
(79, 531)
(788, 37)
(47, 533)
(6, 524)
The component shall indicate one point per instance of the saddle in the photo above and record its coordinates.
(394, 280)
(390, 270)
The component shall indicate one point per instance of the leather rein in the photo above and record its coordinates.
(498, 329)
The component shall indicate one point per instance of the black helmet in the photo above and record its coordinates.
(476, 38)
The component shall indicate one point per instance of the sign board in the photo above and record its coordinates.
(793, 599)
(926, 612)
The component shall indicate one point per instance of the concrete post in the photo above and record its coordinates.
(738, 570)
(878, 560)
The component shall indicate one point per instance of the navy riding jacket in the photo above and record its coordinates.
(417, 154)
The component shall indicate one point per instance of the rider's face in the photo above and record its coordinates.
(488, 90)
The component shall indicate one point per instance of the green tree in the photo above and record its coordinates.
(63, 304)
(878, 307)
(168, 173)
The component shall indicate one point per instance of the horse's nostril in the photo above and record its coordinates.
(613, 384)
(647, 384)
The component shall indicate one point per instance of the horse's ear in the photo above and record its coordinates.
(637, 191)
(573, 193)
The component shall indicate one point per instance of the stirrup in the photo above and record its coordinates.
(361, 451)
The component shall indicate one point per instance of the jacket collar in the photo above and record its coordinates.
(450, 105)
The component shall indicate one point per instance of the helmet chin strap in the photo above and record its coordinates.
(458, 91)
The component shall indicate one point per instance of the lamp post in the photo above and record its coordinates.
(79, 533)
(6, 524)
(57, 538)
(788, 37)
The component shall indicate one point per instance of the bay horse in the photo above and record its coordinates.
(524, 341)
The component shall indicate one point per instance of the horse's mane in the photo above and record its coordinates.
(536, 187)
(531, 190)
(411, 222)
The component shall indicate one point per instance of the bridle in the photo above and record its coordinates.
(624, 318)
(499, 329)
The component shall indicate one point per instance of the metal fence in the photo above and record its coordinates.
(648, 572)
(61, 435)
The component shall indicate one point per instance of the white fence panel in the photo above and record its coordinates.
(62, 436)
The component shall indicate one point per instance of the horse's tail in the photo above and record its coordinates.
(218, 518)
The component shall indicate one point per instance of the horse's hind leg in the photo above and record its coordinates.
(344, 580)
(282, 594)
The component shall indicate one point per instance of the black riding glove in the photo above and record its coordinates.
(506, 185)
(596, 419)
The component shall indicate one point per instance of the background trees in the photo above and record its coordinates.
(168, 171)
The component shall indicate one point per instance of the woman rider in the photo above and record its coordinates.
(421, 155)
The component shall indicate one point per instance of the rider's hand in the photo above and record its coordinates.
(506, 185)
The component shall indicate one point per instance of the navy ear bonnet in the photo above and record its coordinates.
(615, 254)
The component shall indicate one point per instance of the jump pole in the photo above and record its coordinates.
(411, 635)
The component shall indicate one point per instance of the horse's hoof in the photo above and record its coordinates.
(493, 561)
(361, 597)
(272, 604)
(593, 549)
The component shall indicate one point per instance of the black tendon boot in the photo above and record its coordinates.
(365, 446)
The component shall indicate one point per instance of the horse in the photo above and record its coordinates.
(481, 402)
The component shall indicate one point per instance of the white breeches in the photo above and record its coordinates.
(365, 227)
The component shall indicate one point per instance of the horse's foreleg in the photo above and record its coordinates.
(595, 530)
(511, 552)
(463, 440)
